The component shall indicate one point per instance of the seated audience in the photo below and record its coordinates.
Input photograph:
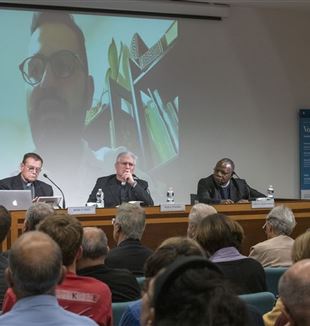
(35, 214)
(168, 251)
(222, 188)
(300, 250)
(196, 214)
(221, 238)
(122, 283)
(191, 291)
(276, 250)
(123, 186)
(294, 290)
(79, 294)
(35, 269)
(128, 228)
(5, 225)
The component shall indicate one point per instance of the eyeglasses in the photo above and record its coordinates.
(63, 63)
(127, 163)
(33, 169)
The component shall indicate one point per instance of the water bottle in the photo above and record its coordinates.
(270, 192)
(100, 198)
(170, 195)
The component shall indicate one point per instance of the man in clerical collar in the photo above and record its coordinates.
(222, 188)
(27, 179)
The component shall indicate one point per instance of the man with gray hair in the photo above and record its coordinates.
(124, 186)
(122, 283)
(294, 290)
(35, 269)
(35, 214)
(197, 213)
(128, 228)
(276, 250)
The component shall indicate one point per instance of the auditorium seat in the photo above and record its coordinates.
(140, 280)
(118, 308)
(263, 301)
(273, 275)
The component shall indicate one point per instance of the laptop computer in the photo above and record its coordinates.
(15, 199)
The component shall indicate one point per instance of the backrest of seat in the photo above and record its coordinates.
(273, 275)
(118, 308)
(263, 301)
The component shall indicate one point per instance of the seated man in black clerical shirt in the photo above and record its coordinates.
(27, 179)
(123, 186)
(222, 188)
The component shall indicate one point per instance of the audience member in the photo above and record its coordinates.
(122, 283)
(35, 214)
(128, 228)
(276, 250)
(197, 213)
(35, 269)
(191, 291)
(5, 225)
(123, 186)
(78, 294)
(300, 250)
(168, 251)
(222, 188)
(294, 290)
(221, 237)
(27, 179)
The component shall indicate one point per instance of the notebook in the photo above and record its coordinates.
(15, 199)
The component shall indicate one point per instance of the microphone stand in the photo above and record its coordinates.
(63, 196)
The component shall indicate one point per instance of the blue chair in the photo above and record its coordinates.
(140, 281)
(273, 275)
(263, 301)
(118, 308)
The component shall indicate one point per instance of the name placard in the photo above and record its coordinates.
(172, 207)
(263, 203)
(81, 210)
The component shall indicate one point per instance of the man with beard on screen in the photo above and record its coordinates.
(59, 92)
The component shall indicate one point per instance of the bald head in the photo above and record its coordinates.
(196, 215)
(95, 243)
(35, 264)
(294, 290)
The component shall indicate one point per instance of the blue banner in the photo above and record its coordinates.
(304, 152)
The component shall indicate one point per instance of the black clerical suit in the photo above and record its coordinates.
(41, 188)
(209, 192)
(115, 193)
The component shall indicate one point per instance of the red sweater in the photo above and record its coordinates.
(82, 295)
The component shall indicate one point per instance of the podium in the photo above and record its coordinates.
(161, 225)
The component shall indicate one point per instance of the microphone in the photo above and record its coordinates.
(63, 196)
(234, 173)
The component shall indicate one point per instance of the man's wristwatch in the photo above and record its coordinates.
(134, 184)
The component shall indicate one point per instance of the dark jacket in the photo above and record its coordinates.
(209, 192)
(122, 283)
(112, 188)
(129, 254)
(41, 188)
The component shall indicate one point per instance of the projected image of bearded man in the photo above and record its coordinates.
(60, 89)
(59, 93)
